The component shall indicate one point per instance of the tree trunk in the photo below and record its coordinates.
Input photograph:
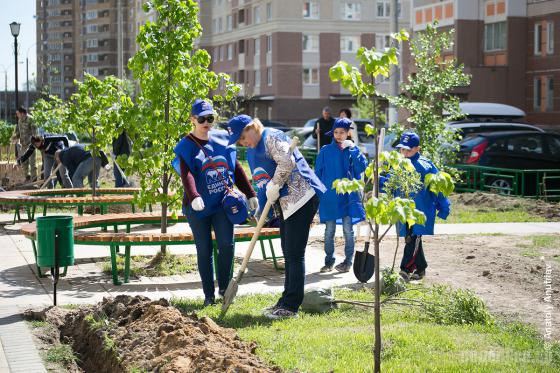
(377, 305)
(94, 173)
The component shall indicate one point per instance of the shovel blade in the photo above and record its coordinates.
(229, 295)
(364, 266)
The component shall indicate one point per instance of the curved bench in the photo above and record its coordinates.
(128, 239)
(79, 197)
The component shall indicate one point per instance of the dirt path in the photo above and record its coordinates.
(508, 272)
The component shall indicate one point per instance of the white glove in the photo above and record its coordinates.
(253, 204)
(197, 204)
(347, 144)
(272, 191)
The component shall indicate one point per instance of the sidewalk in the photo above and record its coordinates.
(20, 288)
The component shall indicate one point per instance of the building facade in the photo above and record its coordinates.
(281, 51)
(78, 36)
(508, 47)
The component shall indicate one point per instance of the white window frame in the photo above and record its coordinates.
(91, 14)
(550, 37)
(91, 29)
(344, 43)
(493, 26)
(310, 42)
(313, 10)
(310, 72)
(230, 52)
(386, 6)
(220, 24)
(257, 78)
(382, 41)
(549, 93)
(351, 10)
(229, 22)
(269, 76)
(257, 14)
(268, 11)
(257, 46)
(92, 57)
(268, 43)
(537, 39)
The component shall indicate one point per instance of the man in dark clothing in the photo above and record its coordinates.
(80, 163)
(48, 145)
(121, 146)
(323, 125)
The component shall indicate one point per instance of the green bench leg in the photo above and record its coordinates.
(80, 210)
(133, 208)
(114, 271)
(274, 257)
(16, 213)
(116, 230)
(45, 210)
(126, 263)
(39, 272)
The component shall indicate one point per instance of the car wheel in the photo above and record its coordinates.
(500, 186)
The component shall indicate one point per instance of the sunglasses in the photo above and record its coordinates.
(209, 119)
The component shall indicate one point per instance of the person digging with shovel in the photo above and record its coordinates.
(340, 159)
(289, 180)
(413, 263)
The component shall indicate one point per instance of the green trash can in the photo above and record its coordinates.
(55, 232)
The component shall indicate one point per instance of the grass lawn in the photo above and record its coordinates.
(166, 265)
(342, 340)
(465, 214)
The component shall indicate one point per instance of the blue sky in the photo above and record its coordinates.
(21, 11)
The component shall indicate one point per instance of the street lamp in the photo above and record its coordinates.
(14, 27)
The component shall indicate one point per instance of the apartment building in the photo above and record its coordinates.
(77, 36)
(509, 48)
(281, 51)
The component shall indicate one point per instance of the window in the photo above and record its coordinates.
(91, 14)
(241, 47)
(257, 46)
(241, 16)
(538, 39)
(268, 11)
(229, 24)
(214, 25)
(269, 44)
(257, 78)
(528, 145)
(91, 29)
(382, 41)
(384, 9)
(92, 70)
(537, 93)
(554, 145)
(494, 36)
(220, 24)
(257, 14)
(549, 93)
(310, 43)
(310, 76)
(350, 11)
(230, 52)
(550, 37)
(92, 57)
(222, 52)
(310, 9)
(349, 44)
(92, 43)
(269, 76)
(215, 54)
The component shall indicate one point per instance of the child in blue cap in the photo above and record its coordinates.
(413, 263)
(340, 159)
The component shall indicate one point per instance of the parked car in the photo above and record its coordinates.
(519, 150)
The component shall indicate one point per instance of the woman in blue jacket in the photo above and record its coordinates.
(337, 160)
(208, 167)
(288, 179)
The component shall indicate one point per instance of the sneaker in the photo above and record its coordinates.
(280, 313)
(326, 269)
(221, 293)
(209, 302)
(343, 267)
(270, 309)
(417, 275)
(405, 275)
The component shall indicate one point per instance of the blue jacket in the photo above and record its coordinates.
(426, 201)
(334, 163)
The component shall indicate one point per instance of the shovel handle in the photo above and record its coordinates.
(51, 176)
(260, 224)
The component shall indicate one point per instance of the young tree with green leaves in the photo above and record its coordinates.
(171, 73)
(429, 98)
(382, 207)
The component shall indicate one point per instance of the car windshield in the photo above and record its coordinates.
(310, 123)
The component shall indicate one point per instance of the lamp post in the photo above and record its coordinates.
(14, 27)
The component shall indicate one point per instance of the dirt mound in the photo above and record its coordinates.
(490, 201)
(134, 333)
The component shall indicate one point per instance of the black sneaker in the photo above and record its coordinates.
(280, 313)
(209, 302)
(221, 293)
(326, 269)
(405, 275)
(343, 267)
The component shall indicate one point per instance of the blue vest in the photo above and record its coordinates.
(263, 167)
(209, 174)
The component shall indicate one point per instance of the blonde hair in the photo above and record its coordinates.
(256, 125)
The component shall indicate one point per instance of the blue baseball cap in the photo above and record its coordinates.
(202, 108)
(409, 140)
(340, 123)
(236, 125)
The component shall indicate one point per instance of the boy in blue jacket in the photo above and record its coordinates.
(340, 159)
(413, 264)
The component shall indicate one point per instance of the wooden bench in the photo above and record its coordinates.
(75, 197)
(127, 239)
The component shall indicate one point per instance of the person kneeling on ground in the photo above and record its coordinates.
(337, 160)
(289, 179)
(413, 263)
(80, 163)
(48, 144)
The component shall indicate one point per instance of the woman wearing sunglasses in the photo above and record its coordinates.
(208, 168)
(287, 178)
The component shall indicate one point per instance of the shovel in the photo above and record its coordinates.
(364, 262)
(231, 290)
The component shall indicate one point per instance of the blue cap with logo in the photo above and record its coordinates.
(340, 123)
(202, 108)
(236, 125)
(409, 140)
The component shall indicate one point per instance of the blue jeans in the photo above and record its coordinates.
(120, 177)
(85, 168)
(348, 229)
(223, 229)
(294, 233)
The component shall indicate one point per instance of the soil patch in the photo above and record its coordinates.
(136, 334)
